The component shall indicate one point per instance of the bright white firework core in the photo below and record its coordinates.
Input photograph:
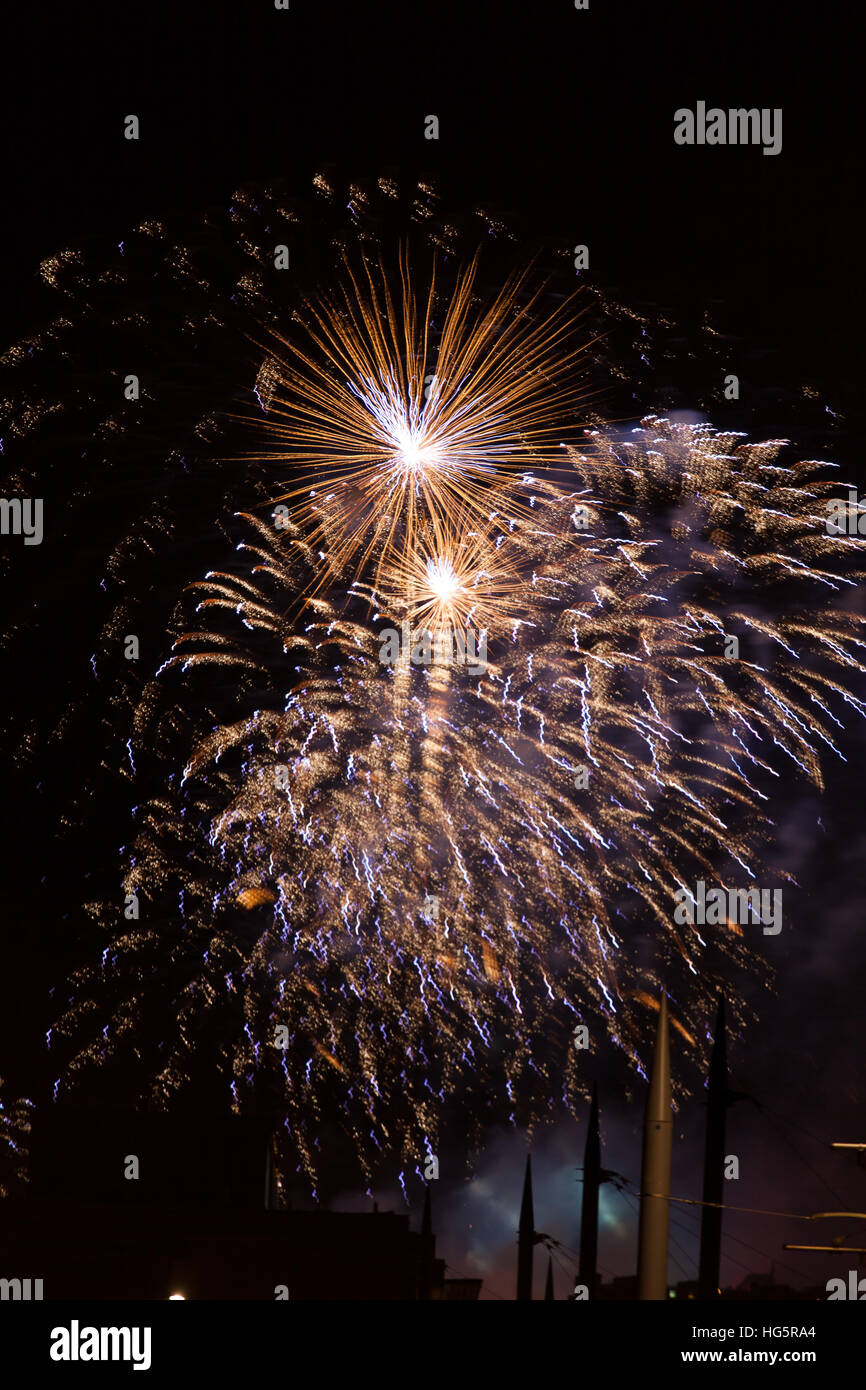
(415, 453)
(442, 580)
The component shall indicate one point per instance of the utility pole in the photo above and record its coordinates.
(655, 1178)
(714, 1164)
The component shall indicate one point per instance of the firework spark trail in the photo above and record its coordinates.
(15, 1119)
(408, 781)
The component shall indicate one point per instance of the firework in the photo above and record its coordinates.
(424, 874)
(356, 796)
(459, 580)
(399, 417)
(15, 1118)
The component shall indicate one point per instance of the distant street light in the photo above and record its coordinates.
(840, 1215)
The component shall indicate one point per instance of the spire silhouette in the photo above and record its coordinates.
(525, 1238)
(589, 1205)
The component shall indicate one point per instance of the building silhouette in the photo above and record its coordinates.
(200, 1219)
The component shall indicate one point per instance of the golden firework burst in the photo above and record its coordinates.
(453, 580)
(395, 413)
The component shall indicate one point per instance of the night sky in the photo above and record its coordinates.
(563, 121)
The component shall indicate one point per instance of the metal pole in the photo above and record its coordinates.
(655, 1182)
(714, 1164)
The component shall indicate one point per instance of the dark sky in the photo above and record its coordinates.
(563, 116)
(564, 120)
